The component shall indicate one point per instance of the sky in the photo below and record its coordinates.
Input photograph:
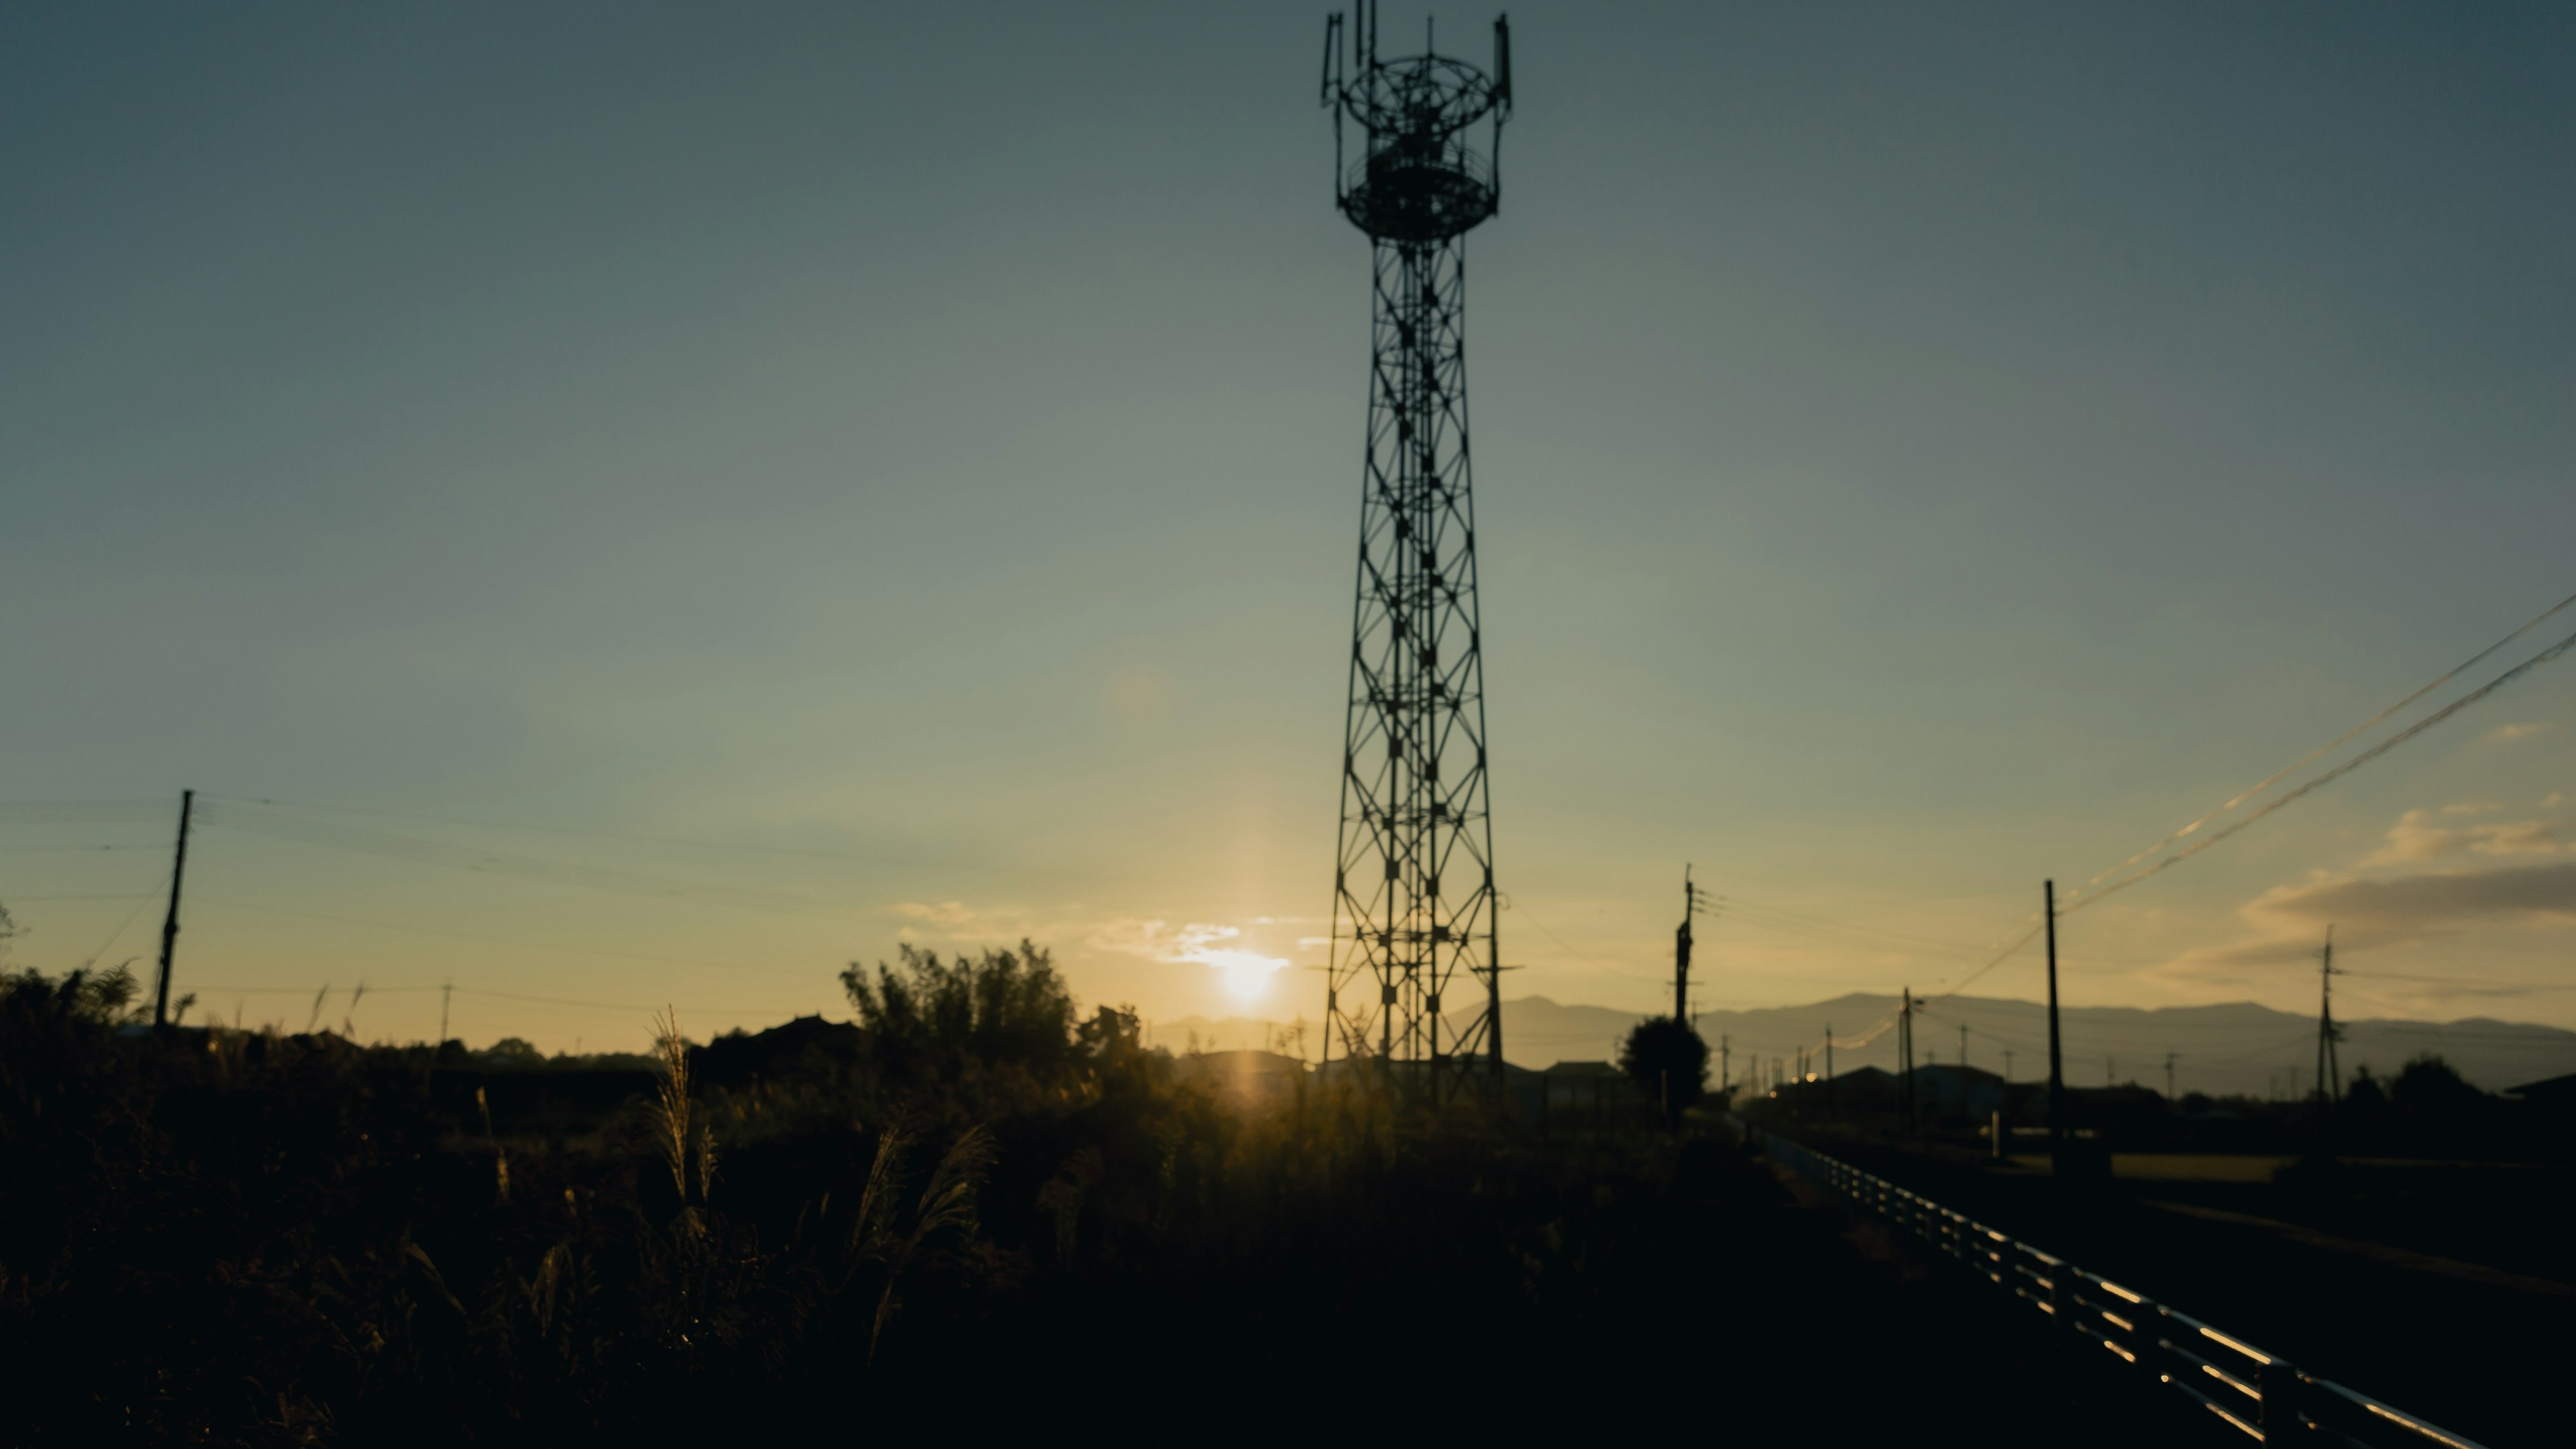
(673, 500)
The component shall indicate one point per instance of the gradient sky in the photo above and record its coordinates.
(1923, 450)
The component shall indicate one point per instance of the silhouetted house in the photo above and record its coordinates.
(1957, 1092)
(807, 1046)
(1251, 1074)
(1523, 1089)
(2553, 1095)
(1862, 1086)
(1581, 1092)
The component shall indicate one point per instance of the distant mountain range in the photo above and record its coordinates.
(2229, 1049)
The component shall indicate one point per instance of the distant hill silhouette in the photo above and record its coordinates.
(2226, 1049)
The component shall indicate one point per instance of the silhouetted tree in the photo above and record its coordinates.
(2431, 1087)
(932, 1018)
(1668, 1062)
(1112, 1034)
(514, 1051)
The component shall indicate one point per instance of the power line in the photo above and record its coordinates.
(2338, 772)
(141, 903)
(732, 1010)
(523, 944)
(50, 812)
(2268, 781)
(850, 857)
(473, 859)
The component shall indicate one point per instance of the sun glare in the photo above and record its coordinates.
(1246, 973)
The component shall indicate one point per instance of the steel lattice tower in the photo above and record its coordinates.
(1414, 902)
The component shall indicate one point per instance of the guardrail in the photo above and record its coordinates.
(2260, 1393)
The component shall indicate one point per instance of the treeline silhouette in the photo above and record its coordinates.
(973, 1209)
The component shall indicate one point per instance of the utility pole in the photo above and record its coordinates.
(2056, 1065)
(2110, 1071)
(1694, 902)
(2008, 1056)
(2169, 1080)
(170, 923)
(1723, 1074)
(1963, 1054)
(2329, 1070)
(444, 992)
(1905, 1053)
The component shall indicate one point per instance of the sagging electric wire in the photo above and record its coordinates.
(735, 847)
(2274, 778)
(475, 859)
(520, 943)
(2329, 777)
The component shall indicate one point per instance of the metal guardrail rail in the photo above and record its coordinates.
(2260, 1393)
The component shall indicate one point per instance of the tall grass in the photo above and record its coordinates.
(295, 1239)
(684, 1144)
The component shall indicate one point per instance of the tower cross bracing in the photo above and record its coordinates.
(1413, 978)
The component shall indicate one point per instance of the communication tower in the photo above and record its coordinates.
(1414, 926)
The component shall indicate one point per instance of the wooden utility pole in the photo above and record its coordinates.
(1723, 1074)
(2169, 1075)
(2056, 1065)
(1905, 1053)
(2329, 1069)
(1963, 1056)
(1694, 902)
(170, 923)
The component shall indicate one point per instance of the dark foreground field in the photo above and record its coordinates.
(973, 1215)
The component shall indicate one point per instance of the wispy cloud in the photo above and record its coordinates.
(2511, 732)
(2416, 838)
(2413, 906)
(2287, 923)
(1247, 973)
(957, 921)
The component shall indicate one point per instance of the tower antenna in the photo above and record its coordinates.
(1414, 906)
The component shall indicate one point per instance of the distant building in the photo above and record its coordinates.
(1578, 1091)
(2557, 1094)
(1253, 1074)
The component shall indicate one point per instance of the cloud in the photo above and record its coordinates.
(2508, 733)
(2414, 838)
(1199, 943)
(957, 921)
(2413, 906)
(2554, 799)
(2289, 922)
(2472, 807)
(2522, 837)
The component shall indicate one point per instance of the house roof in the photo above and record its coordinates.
(2548, 1089)
(1241, 1063)
(1584, 1069)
